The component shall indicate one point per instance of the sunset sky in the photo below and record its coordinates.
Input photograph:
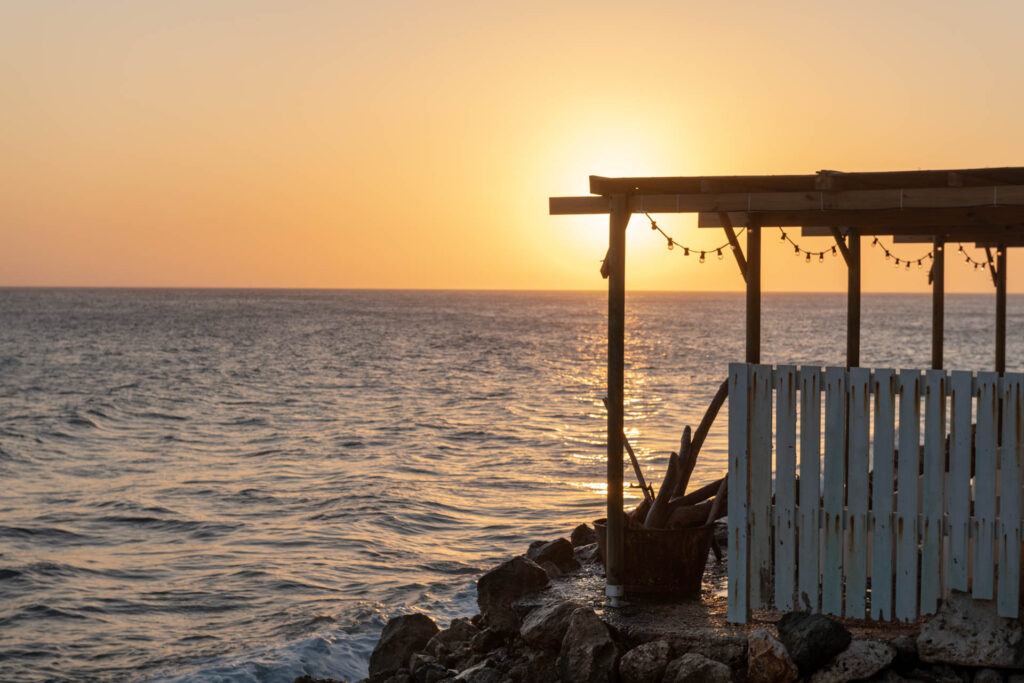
(415, 144)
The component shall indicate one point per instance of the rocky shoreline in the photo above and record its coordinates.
(543, 618)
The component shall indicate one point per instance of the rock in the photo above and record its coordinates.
(500, 588)
(534, 666)
(431, 673)
(545, 626)
(487, 640)
(456, 637)
(401, 637)
(419, 659)
(559, 552)
(484, 672)
(906, 653)
(645, 663)
(812, 639)
(968, 632)
(987, 676)
(767, 659)
(862, 659)
(587, 554)
(551, 569)
(696, 668)
(588, 653)
(584, 534)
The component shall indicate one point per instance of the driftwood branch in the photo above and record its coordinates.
(647, 489)
(703, 428)
(659, 509)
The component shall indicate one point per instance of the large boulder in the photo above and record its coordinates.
(645, 663)
(588, 653)
(544, 627)
(499, 589)
(696, 668)
(401, 637)
(862, 659)
(767, 660)
(969, 632)
(812, 639)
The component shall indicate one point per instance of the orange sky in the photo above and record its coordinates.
(413, 144)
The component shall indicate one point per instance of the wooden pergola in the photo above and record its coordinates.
(984, 206)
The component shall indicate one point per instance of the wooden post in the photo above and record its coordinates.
(1001, 309)
(853, 300)
(615, 556)
(753, 290)
(938, 301)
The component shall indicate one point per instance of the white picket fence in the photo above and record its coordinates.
(862, 518)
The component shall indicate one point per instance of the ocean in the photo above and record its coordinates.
(244, 485)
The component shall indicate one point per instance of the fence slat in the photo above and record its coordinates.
(932, 490)
(959, 480)
(906, 496)
(739, 446)
(760, 487)
(1008, 596)
(810, 478)
(882, 494)
(835, 451)
(983, 569)
(856, 559)
(785, 485)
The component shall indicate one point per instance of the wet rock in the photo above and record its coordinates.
(862, 659)
(559, 552)
(696, 668)
(587, 554)
(588, 653)
(969, 632)
(767, 659)
(545, 626)
(645, 663)
(484, 672)
(500, 588)
(812, 639)
(584, 534)
(987, 676)
(401, 637)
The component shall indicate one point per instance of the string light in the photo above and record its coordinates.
(807, 254)
(967, 259)
(672, 243)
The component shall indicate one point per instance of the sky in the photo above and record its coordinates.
(398, 144)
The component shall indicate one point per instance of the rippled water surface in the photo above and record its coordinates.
(244, 485)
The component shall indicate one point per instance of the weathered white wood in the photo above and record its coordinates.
(810, 477)
(739, 489)
(882, 494)
(907, 495)
(959, 517)
(835, 451)
(761, 487)
(785, 486)
(932, 490)
(1008, 597)
(856, 538)
(984, 523)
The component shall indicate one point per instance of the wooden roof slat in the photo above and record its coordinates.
(824, 180)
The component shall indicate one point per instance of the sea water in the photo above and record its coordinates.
(216, 485)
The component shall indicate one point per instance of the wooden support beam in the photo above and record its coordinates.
(730, 233)
(615, 525)
(841, 243)
(1001, 309)
(753, 294)
(852, 256)
(965, 223)
(991, 266)
(938, 301)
